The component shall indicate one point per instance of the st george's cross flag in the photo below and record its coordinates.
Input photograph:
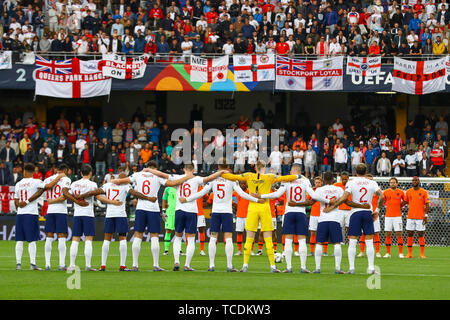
(309, 75)
(253, 68)
(122, 67)
(6, 60)
(7, 199)
(71, 78)
(209, 70)
(418, 77)
(364, 66)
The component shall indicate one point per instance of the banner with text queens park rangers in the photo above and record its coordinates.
(71, 78)
(309, 75)
(122, 67)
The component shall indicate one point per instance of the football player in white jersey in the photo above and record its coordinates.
(83, 218)
(148, 213)
(361, 189)
(329, 223)
(56, 218)
(221, 214)
(295, 221)
(115, 197)
(26, 192)
(186, 213)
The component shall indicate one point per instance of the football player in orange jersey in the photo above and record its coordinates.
(419, 206)
(241, 215)
(314, 219)
(394, 199)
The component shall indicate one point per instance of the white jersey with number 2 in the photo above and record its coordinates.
(362, 191)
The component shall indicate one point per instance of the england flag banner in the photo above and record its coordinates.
(419, 77)
(447, 65)
(209, 70)
(7, 199)
(6, 60)
(364, 66)
(70, 79)
(122, 67)
(255, 67)
(317, 75)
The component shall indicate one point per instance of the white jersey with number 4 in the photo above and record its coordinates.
(79, 187)
(148, 184)
(23, 191)
(362, 191)
(56, 192)
(223, 195)
(116, 192)
(185, 190)
(329, 192)
(295, 191)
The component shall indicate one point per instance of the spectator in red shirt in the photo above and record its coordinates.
(30, 127)
(150, 47)
(322, 47)
(374, 49)
(211, 16)
(397, 143)
(282, 48)
(37, 174)
(437, 157)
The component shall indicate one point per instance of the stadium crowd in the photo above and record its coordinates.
(288, 27)
(127, 146)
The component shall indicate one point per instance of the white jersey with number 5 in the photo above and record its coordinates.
(23, 191)
(223, 195)
(148, 184)
(56, 192)
(79, 187)
(116, 192)
(295, 191)
(329, 192)
(185, 190)
(362, 191)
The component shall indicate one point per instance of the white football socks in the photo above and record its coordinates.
(229, 252)
(318, 255)
(288, 253)
(32, 252)
(190, 251)
(337, 255)
(123, 252)
(212, 251)
(73, 252)
(88, 252)
(155, 250)
(303, 252)
(105, 250)
(370, 251)
(352, 253)
(48, 251)
(62, 251)
(136, 248)
(19, 251)
(177, 249)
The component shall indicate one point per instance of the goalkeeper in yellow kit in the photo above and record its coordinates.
(259, 212)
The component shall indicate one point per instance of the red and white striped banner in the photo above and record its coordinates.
(7, 199)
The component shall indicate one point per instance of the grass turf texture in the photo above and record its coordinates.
(400, 278)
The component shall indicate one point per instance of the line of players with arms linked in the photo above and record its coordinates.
(353, 204)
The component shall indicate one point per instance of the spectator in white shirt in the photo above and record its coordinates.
(398, 165)
(239, 157)
(411, 163)
(298, 156)
(228, 48)
(356, 158)
(338, 128)
(275, 159)
(340, 158)
(335, 47)
(186, 46)
(257, 124)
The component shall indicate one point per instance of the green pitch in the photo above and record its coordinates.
(399, 279)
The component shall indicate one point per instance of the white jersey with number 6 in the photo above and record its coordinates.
(116, 192)
(56, 192)
(148, 184)
(295, 191)
(23, 191)
(185, 190)
(329, 192)
(79, 187)
(223, 195)
(362, 191)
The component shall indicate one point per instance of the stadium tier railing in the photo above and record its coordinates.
(185, 58)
